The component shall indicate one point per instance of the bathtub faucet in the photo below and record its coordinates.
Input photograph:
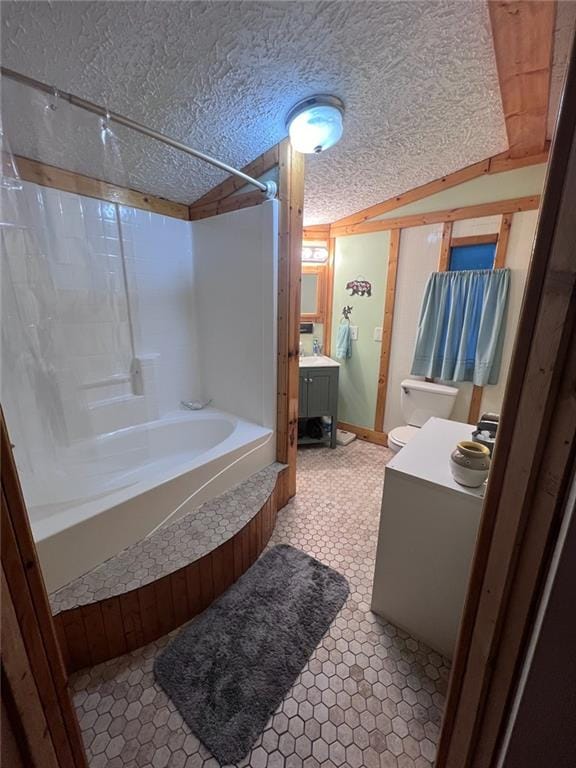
(195, 405)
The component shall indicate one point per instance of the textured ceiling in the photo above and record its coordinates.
(418, 80)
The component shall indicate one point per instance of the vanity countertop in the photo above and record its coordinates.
(318, 361)
(427, 455)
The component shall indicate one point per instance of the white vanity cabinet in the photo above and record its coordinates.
(428, 528)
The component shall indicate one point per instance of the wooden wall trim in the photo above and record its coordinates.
(418, 193)
(457, 242)
(316, 232)
(444, 258)
(501, 240)
(364, 433)
(234, 203)
(329, 296)
(523, 35)
(18, 677)
(108, 628)
(533, 462)
(496, 164)
(68, 181)
(387, 326)
(475, 404)
(514, 205)
(258, 167)
(506, 161)
(32, 632)
(291, 196)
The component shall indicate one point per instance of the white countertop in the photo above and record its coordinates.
(427, 455)
(318, 361)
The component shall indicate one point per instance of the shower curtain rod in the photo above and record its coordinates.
(268, 187)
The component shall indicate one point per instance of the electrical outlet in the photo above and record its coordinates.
(377, 334)
(354, 332)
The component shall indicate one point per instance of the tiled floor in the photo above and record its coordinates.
(369, 696)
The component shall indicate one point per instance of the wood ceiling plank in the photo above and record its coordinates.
(523, 34)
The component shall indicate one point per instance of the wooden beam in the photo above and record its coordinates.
(506, 162)
(291, 196)
(316, 232)
(68, 181)
(234, 203)
(502, 243)
(501, 240)
(258, 167)
(474, 240)
(523, 34)
(475, 403)
(514, 205)
(496, 164)
(363, 433)
(418, 193)
(444, 258)
(529, 481)
(387, 324)
(329, 296)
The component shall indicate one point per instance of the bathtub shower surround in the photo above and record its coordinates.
(109, 321)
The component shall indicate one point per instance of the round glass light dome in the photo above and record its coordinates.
(315, 124)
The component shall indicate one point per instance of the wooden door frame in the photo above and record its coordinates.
(533, 463)
(39, 713)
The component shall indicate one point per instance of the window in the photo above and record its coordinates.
(473, 256)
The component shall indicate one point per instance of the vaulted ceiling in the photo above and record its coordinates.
(418, 79)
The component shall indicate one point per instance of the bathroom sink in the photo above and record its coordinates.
(318, 361)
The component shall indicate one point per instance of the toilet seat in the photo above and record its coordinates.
(399, 436)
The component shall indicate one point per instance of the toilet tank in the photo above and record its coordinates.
(421, 400)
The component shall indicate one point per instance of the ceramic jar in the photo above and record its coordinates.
(469, 463)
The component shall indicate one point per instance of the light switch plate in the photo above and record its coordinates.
(377, 334)
(354, 332)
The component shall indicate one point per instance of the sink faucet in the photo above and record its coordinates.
(195, 405)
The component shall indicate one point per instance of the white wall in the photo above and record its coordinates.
(236, 267)
(161, 286)
(518, 257)
(64, 316)
(418, 258)
(88, 287)
(419, 253)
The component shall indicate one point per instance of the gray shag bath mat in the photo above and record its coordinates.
(230, 667)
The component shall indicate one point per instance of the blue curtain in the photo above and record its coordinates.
(462, 325)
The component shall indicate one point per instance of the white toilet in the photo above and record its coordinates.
(420, 400)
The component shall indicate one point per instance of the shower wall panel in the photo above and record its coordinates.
(70, 334)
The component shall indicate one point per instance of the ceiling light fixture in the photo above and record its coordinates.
(315, 124)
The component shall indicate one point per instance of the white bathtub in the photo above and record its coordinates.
(114, 490)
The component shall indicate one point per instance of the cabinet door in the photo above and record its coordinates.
(319, 403)
(303, 396)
